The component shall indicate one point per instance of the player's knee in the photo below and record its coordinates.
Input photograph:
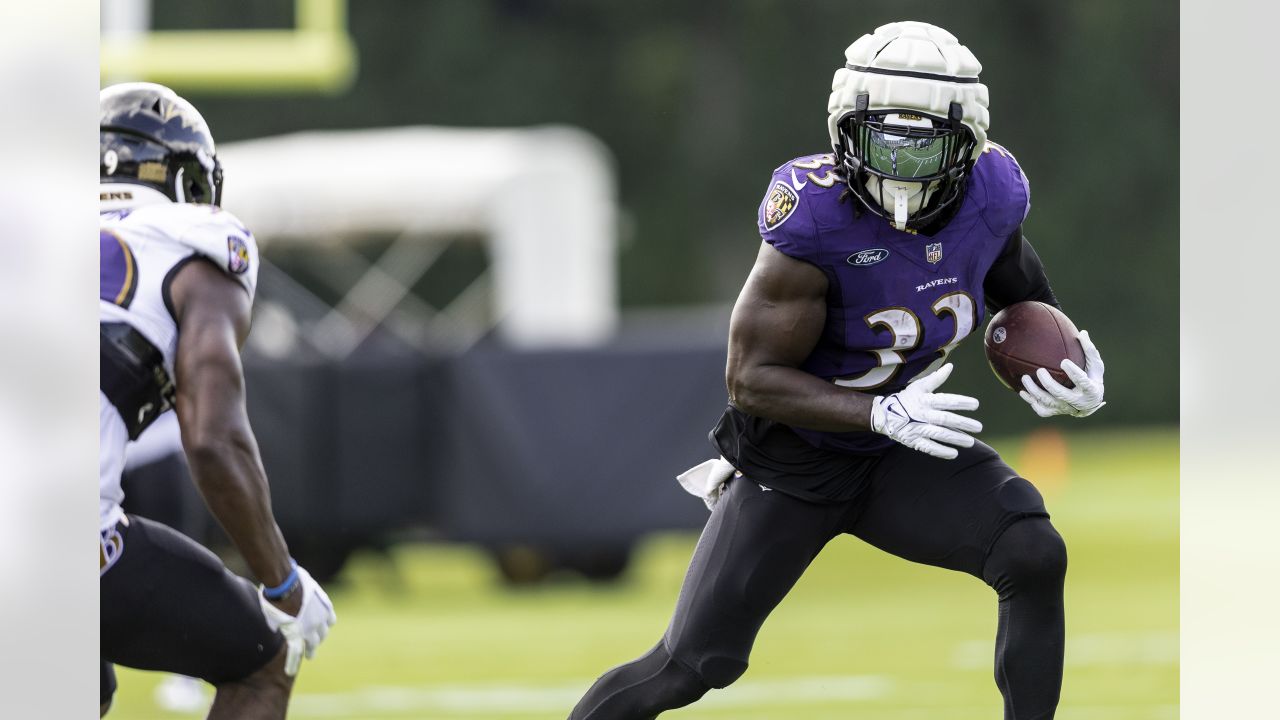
(681, 686)
(268, 681)
(676, 682)
(1029, 554)
(103, 708)
(721, 672)
(1046, 553)
(713, 671)
(645, 687)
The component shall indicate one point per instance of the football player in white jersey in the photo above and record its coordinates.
(176, 285)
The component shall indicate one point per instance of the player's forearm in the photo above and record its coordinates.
(230, 477)
(796, 398)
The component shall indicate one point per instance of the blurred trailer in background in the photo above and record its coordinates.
(515, 411)
(551, 458)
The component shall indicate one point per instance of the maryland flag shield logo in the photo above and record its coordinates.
(237, 255)
(779, 205)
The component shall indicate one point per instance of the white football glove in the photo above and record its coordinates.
(917, 417)
(302, 633)
(1051, 397)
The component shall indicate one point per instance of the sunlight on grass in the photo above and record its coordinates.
(430, 632)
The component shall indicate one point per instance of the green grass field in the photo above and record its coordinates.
(431, 633)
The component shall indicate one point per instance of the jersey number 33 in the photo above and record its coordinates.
(905, 338)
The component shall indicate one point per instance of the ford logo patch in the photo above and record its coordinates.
(862, 258)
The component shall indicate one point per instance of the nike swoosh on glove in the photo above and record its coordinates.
(919, 418)
(304, 632)
(1051, 397)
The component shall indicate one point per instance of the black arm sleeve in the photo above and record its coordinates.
(1017, 275)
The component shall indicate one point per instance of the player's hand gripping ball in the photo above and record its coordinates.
(1031, 341)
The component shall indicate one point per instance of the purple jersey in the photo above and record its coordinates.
(897, 302)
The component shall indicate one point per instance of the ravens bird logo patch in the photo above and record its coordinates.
(237, 254)
(781, 203)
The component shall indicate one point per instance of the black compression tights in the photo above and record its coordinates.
(641, 689)
(758, 543)
(1027, 567)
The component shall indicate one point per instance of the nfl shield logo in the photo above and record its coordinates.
(933, 252)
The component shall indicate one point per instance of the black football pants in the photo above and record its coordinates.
(972, 514)
(167, 603)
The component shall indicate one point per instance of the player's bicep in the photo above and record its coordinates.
(779, 314)
(213, 314)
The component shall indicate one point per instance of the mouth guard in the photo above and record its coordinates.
(900, 199)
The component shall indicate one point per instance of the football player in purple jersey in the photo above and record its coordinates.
(878, 259)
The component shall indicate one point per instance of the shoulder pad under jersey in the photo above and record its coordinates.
(786, 216)
(1002, 188)
(211, 232)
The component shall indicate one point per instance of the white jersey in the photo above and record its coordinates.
(144, 238)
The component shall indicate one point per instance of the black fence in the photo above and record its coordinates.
(550, 459)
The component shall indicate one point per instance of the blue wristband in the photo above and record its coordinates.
(285, 587)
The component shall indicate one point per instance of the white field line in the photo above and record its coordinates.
(534, 699)
(463, 700)
(1156, 648)
(1114, 711)
(459, 702)
(1117, 712)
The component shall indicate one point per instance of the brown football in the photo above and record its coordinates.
(1029, 335)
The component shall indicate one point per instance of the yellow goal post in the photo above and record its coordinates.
(317, 55)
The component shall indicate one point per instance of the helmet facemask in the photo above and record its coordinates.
(904, 165)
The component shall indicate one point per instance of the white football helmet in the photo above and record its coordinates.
(907, 118)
